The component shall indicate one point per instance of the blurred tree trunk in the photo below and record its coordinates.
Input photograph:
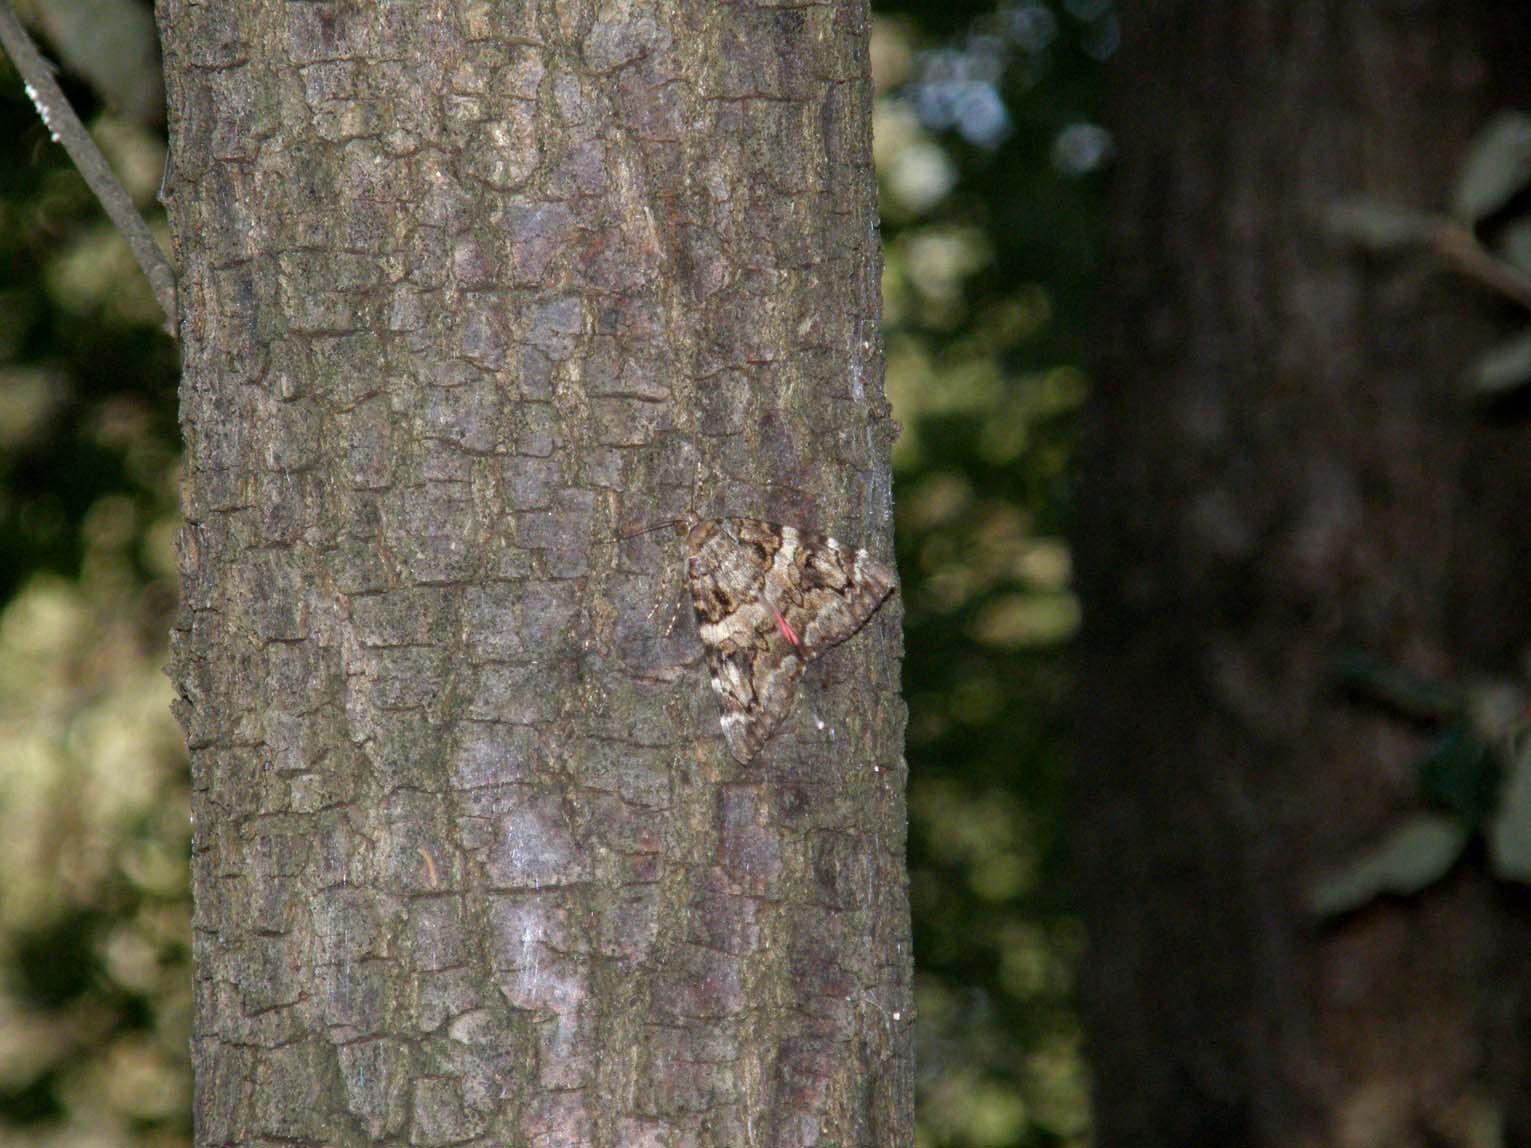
(468, 289)
(1281, 468)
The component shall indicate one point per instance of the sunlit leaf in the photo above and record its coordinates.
(1498, 166)
(1417, 853)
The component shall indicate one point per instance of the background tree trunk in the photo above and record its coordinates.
(1281, 468)
(467, 289)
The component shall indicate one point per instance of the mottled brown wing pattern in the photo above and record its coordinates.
(825, 590)
(768, 600)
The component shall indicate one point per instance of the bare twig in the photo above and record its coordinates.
(1459, 247)
(66, 128)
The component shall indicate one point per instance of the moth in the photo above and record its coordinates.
(769, 599)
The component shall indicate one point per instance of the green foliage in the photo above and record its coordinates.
(1486, 238)
(94, 915)
(990, 230)
(1476, 775)
(1475, 779)
(87, 402)
(94, 923)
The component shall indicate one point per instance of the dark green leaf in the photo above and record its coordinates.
(1391, 683)
(1459, 774)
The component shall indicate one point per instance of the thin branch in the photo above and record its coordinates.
(66, 128)
(1459, 247)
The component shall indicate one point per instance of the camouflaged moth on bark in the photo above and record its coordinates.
(769, 599)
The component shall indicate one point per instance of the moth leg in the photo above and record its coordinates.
(677, 598)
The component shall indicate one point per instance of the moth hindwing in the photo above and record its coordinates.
(769, 599)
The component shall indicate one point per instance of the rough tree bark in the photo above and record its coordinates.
(469, 288)
(1281, 467)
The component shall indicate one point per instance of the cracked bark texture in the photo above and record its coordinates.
(1282, 468)
(469, 288)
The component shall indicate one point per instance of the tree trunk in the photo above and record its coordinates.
(1281, 468)
(469, 289)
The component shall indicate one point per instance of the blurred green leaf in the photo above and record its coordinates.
(1504, 368)
(1416, 854)
(1509, 834)
(1379, 227)
(1498, 166)
(112, 44)
(1460, 775)
(1515, 247)
(1389, 682)
(1032, 619)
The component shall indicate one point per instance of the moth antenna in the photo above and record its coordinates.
(615, 538)
(668, 524)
